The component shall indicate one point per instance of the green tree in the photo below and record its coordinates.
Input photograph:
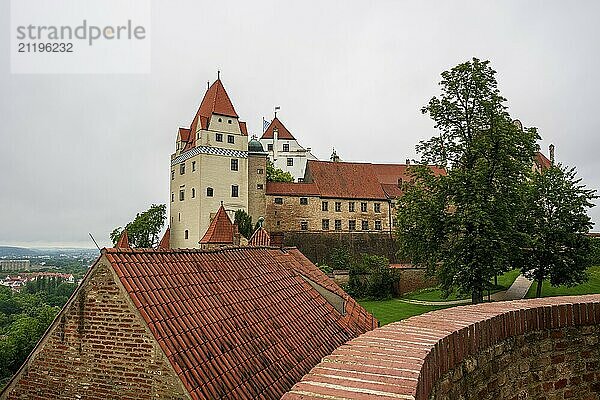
(244, 223)
(143, 231)
(461, 225)
(558, 246)
(372, 277)
(277, 174)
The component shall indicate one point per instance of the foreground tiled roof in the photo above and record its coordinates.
(239, 323)
(260, 237)
(220, 230)
(283, 132)
(292, 189)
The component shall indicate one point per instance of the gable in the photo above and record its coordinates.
(97, 347)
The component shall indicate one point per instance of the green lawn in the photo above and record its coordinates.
(435, 294)
(591, 286)
(393, 310)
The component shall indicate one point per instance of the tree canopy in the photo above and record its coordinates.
(143, 231)
(244, 223)
(277, 174)
(558, 247)
(463, 224)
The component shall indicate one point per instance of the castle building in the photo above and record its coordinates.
(284, 150)
(210, 168)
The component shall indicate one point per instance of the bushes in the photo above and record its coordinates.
(372, 277)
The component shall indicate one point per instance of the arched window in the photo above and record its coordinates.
(209, 192)
(186, 234)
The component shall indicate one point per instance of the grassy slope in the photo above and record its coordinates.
(434, 294)
(591, 286)
(393, 310)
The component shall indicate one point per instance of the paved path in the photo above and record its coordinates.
(516, 291)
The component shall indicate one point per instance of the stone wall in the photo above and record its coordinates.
(542, 349)
(316, 246)
(412, 279)
(97, 331)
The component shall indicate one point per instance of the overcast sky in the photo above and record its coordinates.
(84, 153)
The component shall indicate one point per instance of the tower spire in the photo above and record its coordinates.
(276, 108)
(218, 75)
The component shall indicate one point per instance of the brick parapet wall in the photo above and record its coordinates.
(97, 348)
(529, 349)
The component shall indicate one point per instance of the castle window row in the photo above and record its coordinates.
(210, 192)
(182, 169)
(337, 225)
(364, 206)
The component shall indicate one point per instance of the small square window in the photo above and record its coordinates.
(338, 224)
(304, 225)
(260, 171)
(338, 206)
(234, 191)
(351, 206)
(363, 207)
(234, 164)
(259, 186)
(286, 147)
(365, 225)
(230, 139)
(181, 194)
(325, 206)
(325, 224)
(172, 197)
(209, 192)
(352, 225)
(186, 234)
(193, 166)
(181, 168)
(270, 147)
(377, 225)
(377, 207)
(228, 121)
(219, 137)
(303, 201)
(278, 200)
(290, 162)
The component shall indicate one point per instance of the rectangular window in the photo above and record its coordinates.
(324, 206)
(365, 225)
(352, 225)
(338, 224)
(172, 197)
(363, 207)
(259, 186)
(303, 201)
(278, 200)
(234, 164)
(290, 162)
(181, 168)
(260, 171)
(270, 147)
(325, 224)
(234, 191)
(219, 137)
(286, 147)
(351, 206)
(377, 225)
(230, 139)
(193, 193)
(338, 206)
(304, 225)
(193, 166)
(172, 174)
(181, 194)
(377, 207)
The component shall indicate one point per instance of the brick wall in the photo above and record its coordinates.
(529, 349)
(412, 279)
(97, 348)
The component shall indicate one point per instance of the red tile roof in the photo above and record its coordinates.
(344, 179)
(216, 101)
(220, 230)
(260, 237)
(239, 323)
(292, 189)
(542, 161)
(243, 128)
(165, 242)
(283, 132)
(123, 242)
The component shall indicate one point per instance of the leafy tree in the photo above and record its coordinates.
(277, 174)
(143, 231)
(340, 258)
(558, 246)
(461, 225)
(372, 277)
(244, 223)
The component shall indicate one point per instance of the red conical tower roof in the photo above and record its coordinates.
(282, 131)
(220, 230)
(165, 242)
(123, 242)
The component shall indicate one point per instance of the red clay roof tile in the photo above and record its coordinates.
(123, 242)
(220, 230)
(283, 132)
(237, 323)
(292, 189)
(260, 237)
(166, 239)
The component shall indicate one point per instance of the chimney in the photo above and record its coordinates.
(551, 148)
(408, 161)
